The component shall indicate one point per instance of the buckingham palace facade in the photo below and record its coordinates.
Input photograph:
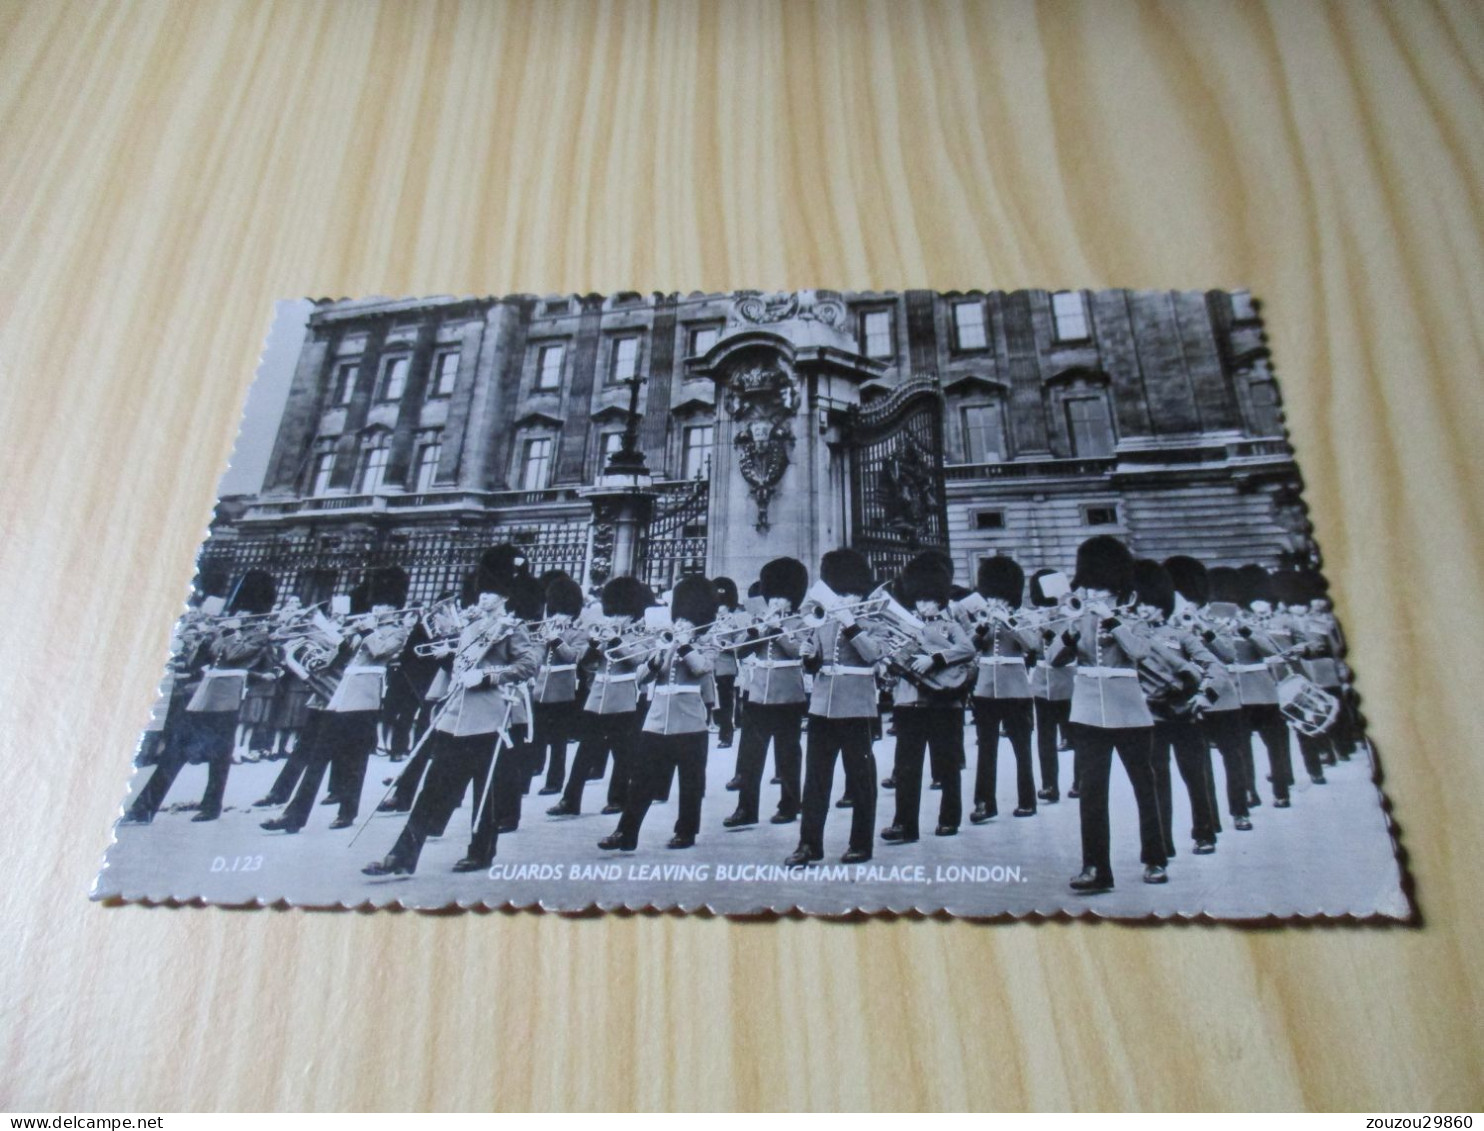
(418, 432)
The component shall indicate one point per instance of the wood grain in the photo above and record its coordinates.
(168, 170)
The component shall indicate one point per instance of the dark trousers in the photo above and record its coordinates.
(1016, 715)
(725, 711)
(658, 758)
(1050, 714)
(554, 726)
(940, 731)
(1315, 750)
(780, 724)
(196, 737)
(453, 765)
(1094, 748)
(1228, 732)
(411, 776)
(1268, 723)
(344, 740)
(293, 767)
(850, 741)
(500, 805)
(616, 733)
(1183, 737)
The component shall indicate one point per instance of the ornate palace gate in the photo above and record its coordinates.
(675, 544)
(898, 504)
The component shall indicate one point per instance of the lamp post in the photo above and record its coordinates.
(623, 503)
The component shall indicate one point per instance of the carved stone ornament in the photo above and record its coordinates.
(762, 398)
(763, 309)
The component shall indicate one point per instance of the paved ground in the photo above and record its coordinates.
(1330, 853)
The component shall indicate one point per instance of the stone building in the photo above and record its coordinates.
(417, 432)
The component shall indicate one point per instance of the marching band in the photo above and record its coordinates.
(480, 696)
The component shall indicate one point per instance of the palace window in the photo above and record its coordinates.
(535, 464)
(394, 378)
(968, 325)
(1100, 516)
(702, 338)
(1069, 313)
(556, 306)
(1266, 415)
(373, 469)
(345, 382)
(696, 451)
(984, 433)
(989, 520)
(427, 465)
(875, 334)
(549, 367)
(1089, 426)
(324, 467)
(445, 372)
(625, 359)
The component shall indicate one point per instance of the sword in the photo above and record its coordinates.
(432, 726)
(502, 736)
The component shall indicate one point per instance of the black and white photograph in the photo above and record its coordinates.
(985, 603)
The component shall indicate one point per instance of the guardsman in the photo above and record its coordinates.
(480, 705)
(844, 653)
(1002, 689)
(932, 674)
(610, 718)
(554, 696)
(1051, 691)
(1220, 720)
(1252, 649)
(774, 710)
(1177, 677)
(675, 734)
(242, 655)
(1109, 712)
(725, 675)
(190, 651)
(1315, 662)
(346, 733)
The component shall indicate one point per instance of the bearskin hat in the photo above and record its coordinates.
(1153, 585)
(694, 600)
(497, 568)
(563, 597)
(1189, 578)
(784, 577)
(846, 572)
(387, 587)
(726, 592)
(626, 597)
(550, 575)
(1038, 595)
(254, 594)
(1254, 584)
(925, 581)
(1225, 585)
(526, 599)
(1002, 578)
(1103, 562)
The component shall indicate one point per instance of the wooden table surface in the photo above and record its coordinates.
(167, 171)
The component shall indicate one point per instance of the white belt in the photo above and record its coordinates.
(367, 669)
(991, 661)
(1105, 672)
(600, 677)
(1249, 667)
(779, 663)
(227, 671)
(838, 669)
(562, 668)
(676, 688)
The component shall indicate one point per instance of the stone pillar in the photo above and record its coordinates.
(301, 416)
(347, 448)
(409, 410)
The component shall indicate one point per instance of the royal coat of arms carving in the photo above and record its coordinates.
(761, 398)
